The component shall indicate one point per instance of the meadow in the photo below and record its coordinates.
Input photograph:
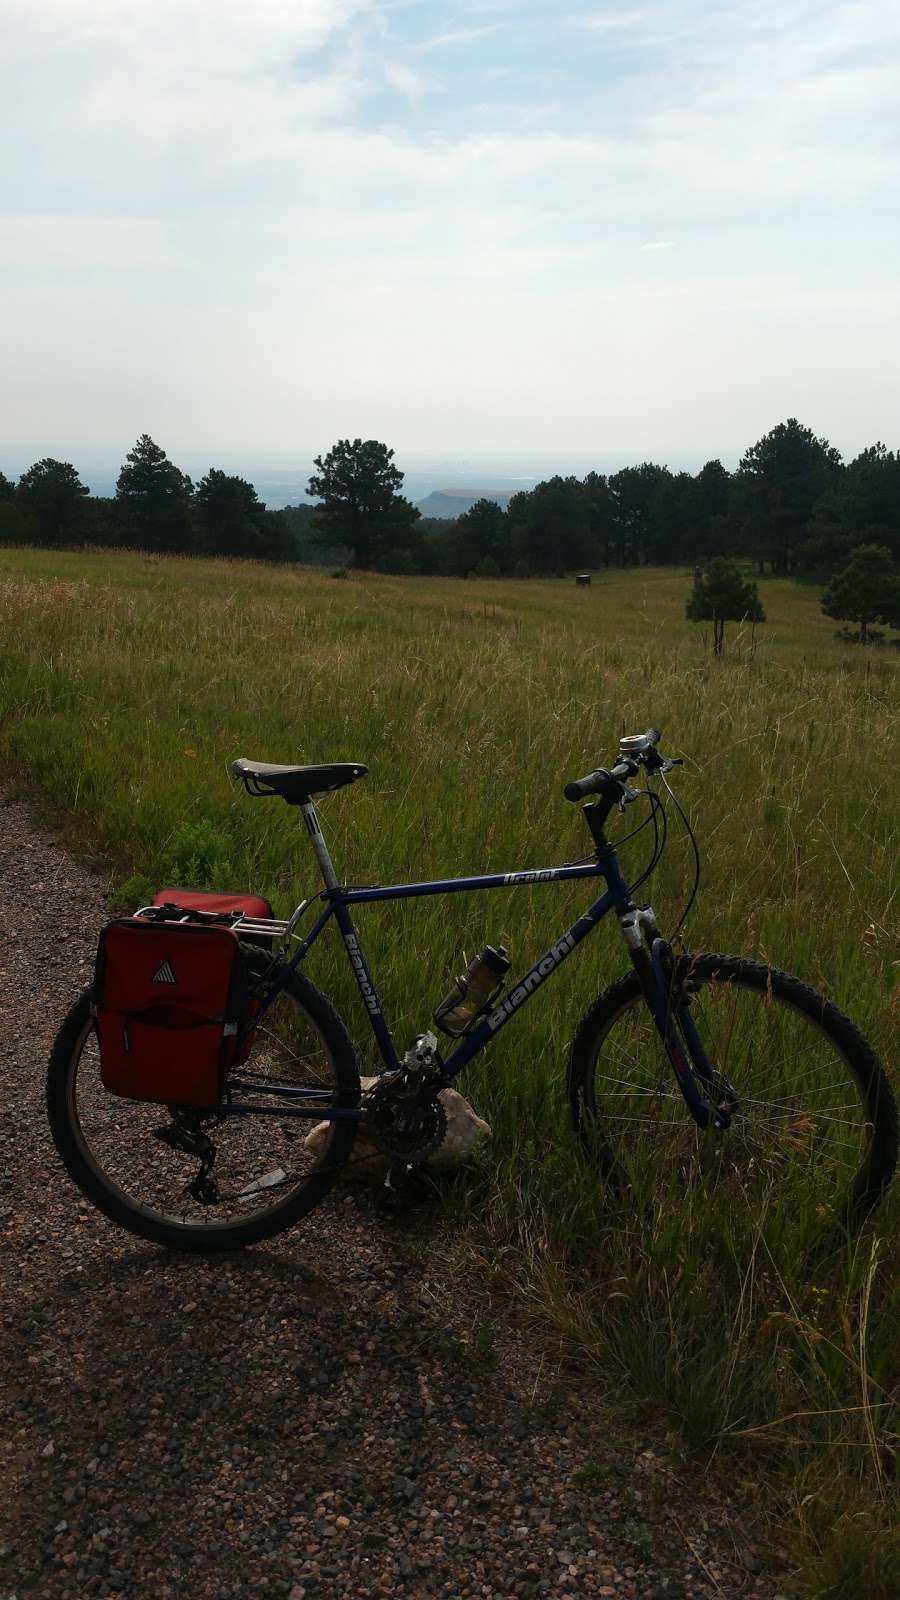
(128, 684)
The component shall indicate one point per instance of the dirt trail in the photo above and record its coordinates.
(290, 1421)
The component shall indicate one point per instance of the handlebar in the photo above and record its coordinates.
(637, 749)
(601, 781)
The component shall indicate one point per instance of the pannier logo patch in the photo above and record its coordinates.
(165, 974)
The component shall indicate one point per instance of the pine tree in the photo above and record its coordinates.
(720, 594)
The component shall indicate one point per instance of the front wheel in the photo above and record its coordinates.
(266, 1173)
(815, 1113)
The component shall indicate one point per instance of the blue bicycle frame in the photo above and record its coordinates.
(674, 1023)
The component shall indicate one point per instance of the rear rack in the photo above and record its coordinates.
(245, 927)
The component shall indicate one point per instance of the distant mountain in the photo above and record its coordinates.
(453, 502)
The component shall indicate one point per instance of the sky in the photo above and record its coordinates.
(502, 237)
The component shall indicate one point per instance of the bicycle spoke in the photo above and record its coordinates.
(119, 1137)
(793, 1113)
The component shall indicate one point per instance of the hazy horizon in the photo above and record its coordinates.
(477, 230)
(280, 483)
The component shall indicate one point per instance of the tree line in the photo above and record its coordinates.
(156, 507)
(791, 506)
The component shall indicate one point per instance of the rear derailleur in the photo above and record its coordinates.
(184, 1133)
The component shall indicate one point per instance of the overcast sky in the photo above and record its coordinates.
(489, 231)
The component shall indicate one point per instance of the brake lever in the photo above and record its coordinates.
(628, 795)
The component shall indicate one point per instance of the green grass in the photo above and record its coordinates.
(127, 684)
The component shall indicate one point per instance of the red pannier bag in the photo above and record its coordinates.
(169, 1001)
(218, 901)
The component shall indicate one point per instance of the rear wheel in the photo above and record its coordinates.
(815, 1117)
(269, 1170)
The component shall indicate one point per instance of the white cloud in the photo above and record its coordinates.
(458, 36)
(414, 85)
(198, 217)
(626, 19)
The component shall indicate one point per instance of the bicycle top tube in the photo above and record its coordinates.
(351, 895)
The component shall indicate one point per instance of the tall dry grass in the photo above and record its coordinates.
(127, 684)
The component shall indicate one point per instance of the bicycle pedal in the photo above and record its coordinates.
(403, 1188)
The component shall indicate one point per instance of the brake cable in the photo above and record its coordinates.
(660, 836)
(584, 860)
(657, 813)
(690, 833)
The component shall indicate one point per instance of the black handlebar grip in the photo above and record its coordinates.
(579, 787)
(654, 735)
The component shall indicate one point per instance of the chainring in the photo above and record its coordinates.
(404, 1129)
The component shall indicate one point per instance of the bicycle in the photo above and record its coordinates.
(687, 1057)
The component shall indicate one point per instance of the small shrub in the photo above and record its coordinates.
(130, 895)
(200, 856)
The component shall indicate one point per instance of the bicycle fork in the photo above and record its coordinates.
(654, 963)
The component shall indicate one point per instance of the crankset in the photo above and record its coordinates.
(406, 1128)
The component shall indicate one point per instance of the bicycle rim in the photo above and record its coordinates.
(804, 1120)
(263, 1164)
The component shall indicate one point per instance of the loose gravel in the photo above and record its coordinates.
(294, 1420)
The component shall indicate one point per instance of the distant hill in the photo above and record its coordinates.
(453, 502)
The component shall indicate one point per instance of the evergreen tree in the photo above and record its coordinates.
(154, 499)
(550, 526)
(401, 543)
(634, 492)
(229, 517)
(601, 510)
(778, 482)
(720, 594)
(867, 590)
(362, 508)
(481, 531)
(707, 513)
(102, 524)
(51, 497)
(861, 507)
(11, 527)
(669, 526)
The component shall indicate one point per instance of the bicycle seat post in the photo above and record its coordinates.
(318, 842)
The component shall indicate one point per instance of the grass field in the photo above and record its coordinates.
(129, 683)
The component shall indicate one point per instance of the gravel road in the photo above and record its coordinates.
(291, 1421)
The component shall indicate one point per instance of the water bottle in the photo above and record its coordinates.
(472, 992)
